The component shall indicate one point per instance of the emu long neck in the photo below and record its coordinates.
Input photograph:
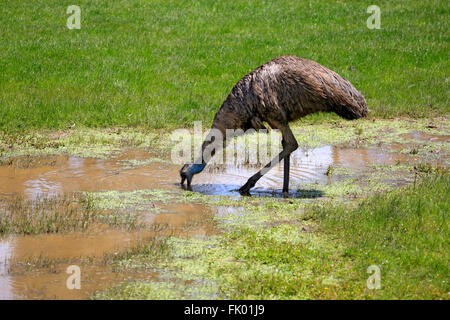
(214, 141)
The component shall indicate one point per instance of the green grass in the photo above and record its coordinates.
(404, 232)
(155, 248)
(57, 214)
(164, 64)
(282, 262)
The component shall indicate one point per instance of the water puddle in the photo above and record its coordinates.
(423, 136)
(307, 166)
(180, 220)
(69, 174)
(43, 284)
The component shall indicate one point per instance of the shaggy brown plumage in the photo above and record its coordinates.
(278, 92)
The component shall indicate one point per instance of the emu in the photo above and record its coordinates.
(280, 91)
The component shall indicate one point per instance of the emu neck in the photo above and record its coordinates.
(214, 141)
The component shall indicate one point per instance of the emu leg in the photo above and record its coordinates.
(286, 174)
(286, 170)
(289, 145)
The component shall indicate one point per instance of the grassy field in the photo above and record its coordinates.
(164, 64)
(404, 232)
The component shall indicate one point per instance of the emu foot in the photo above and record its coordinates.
(187, 187)
(244, 192)
(245, 189)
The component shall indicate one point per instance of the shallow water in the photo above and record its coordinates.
(59, 174)
(418, 135)
(67, 247)
(307, 166)
(69, 174)
(51, 284)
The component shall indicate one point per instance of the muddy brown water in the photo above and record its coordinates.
(423, 136)
(68, 174)
(51, 284)
(62, 174)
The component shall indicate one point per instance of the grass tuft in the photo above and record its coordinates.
(58, 214)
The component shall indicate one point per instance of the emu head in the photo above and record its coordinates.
(188, 171)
